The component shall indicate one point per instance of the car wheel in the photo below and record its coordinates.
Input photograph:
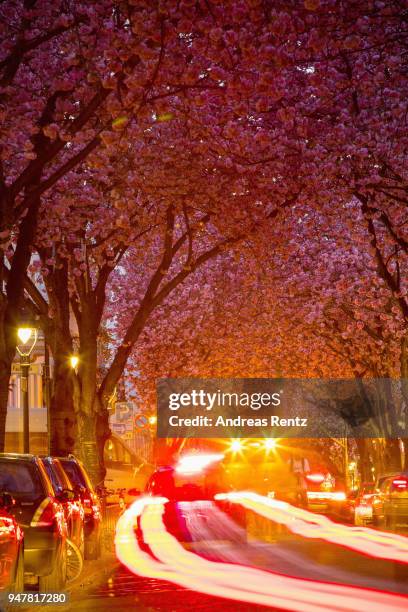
(56, 580)
(18, 584)
(93, 547)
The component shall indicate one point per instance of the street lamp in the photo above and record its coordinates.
(74, 361)
(236, 445)
(28, 338)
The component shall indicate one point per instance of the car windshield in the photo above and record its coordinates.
(20, 479)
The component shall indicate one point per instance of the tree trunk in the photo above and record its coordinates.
(5, 371)
(392, 456)
(404, 369)
(364, 463)
(12, 304)
(93, 428)
(8, 321)
(405, 463)
(63, 421)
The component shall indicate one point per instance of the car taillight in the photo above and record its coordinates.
(400, 483)
(47, 514)
(87, 503)
(315, 478)
(90, 503)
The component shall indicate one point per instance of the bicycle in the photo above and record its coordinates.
(75, 561)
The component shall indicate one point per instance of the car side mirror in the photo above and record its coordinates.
(7, 501)
(134, 492)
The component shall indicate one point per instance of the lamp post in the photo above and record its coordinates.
(28, 339)
(46, 380)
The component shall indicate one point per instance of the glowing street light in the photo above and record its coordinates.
(152, 420)
(270, 443)
(74, 361)
(24, 334)
(236, 445)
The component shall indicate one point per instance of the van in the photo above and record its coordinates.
(126, 473)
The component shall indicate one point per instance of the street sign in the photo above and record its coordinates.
(119, 428)
(141, 421)
(123, 411)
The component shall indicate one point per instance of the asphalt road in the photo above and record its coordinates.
(106, 585)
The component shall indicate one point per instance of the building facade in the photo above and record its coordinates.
(37, 381)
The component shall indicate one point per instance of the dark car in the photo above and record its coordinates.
(91, 504)
(192, 512)
(11, 548)
(390, 504)
(356, 507)
(69, 499)
(41, 517)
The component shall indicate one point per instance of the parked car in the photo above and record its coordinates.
(11, 548)
(390, 505)
(69, 499)
(362, 504)
(126, 473)
(40, 515)
(325, 493)
(356, 507)
(79, 478)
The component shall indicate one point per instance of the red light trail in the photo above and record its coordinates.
(379, 544)
(173, 562)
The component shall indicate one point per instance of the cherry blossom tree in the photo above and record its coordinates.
(151, 137)
(85, 79)
(319, 309)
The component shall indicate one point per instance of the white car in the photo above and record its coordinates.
(126, 473)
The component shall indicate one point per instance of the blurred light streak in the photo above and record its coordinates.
(192, 464)
(270, 443)
(229, 580)
(336, 495)
(379, 544)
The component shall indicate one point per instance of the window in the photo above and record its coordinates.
(74, 473)
(57, 485)
(19, 479)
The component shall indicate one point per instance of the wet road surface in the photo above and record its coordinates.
(108, 586)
